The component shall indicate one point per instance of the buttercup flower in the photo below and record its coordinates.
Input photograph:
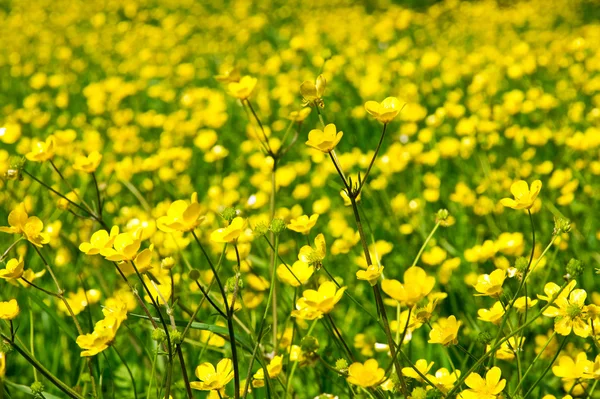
(493, 315)
(297, 274)
(13, 269)
(371, 275)
(299, 116)
(569, 314)
(417, 284)
(445, 331)
(125, 247)
(244, 88)
(367, 374)
(384, 111)
(524, 197)
(42, 150)
(99, 241)
(303, 224)
(2, 364)
(87, 164)
(324, 140)
(229, 233)
(314, 255)
(443, 379)
(29, 226)
(9, 310)
(421, 365)
(490, 284)
(321, 301)
(273, 369)
(312, 93)
(211, 378)
(489, 388)
(181, 216)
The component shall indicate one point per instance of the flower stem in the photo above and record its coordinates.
(541, 377)
(364, 179)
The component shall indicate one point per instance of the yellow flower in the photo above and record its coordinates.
(299, 116)
(2, 364)
(314, 256)
(524, 197)
(443, 379)
(79, 300)
(42, 150)
(421, 365)
(508, 348)
(417, 284)
(324, 140)
(493, 315)
(28, 275)
(273, 369)
(371, 275)
(490, 284)
(211, 379)
(384, 111)
(593, 369)
(570, 370)
(445, 331)
(488, 388)
(366, 375)
(13, 269)
(29, 226)
(312, 93)
(297, 274)
(99, 241)
(125, 247)
(523, 303)
(101, 338)
(87, 164)
(181, 216)
(9, 310)
(228, 74)
(317, 303)
(303, 224)
(244, 88)
(569, 314)
(229, 233)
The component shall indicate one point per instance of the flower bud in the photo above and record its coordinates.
(194, 274)
(159, 335)
(575, 268)
(341, 365)
(37, 389)
(261, 229)
(561, 225)
(229, 214)
(277, 226)
(309, 344)
(167, 263)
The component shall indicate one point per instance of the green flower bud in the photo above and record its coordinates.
(561, 225)
(434, 394)
(442, 215)
(261, 229)
(574, 268)
(521, 264)
(159, 335)
(229, 214)
(341, 365)
(5, 347)
(484, 338)
(37, 389)
(194, 274)
(309, 344)
(234, 284)
(277, 225)
(418, 393)
(176, 337)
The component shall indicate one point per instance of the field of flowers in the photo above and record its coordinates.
(299, 199)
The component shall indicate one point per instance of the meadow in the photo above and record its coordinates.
(299, 199)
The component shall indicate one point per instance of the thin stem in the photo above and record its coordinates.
(128, 370)
(186, 379)
(541, 377)
(534, 361)
(364, 179)
(288, 386)
(262, 129)
(97, 194)
(70, 186)
(422, 249)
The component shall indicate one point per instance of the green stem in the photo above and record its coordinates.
(534, 361)
(541, 377)
(291, 376)
(364, 179)
(422, 249)
(128, 370)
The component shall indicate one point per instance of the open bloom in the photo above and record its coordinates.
(367, 374)
(417, 284)
(125, 247)
(421, 365)
(42, 150)
(493, 315)
(314, 255)
(490, 284)
(569, 314)
(211, 378)
(181, 216)
(13, 269)
(371, 275)
(303, 224)
(444, 331)
(229, 233)
(295, 275)
(443, 379)
(105, 330)
(87, 164)
(319, 302)
(324, 140)
(489, 388)
(242, 89)
(9, 310)
(273, 369)
(30, 227)
(384, 111)
(524, 197)
(312, 93)
(100, 240)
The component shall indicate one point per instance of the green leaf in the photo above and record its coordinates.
(27, 390)
(52, 313)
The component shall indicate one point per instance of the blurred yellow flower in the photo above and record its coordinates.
(42, 150)
(316, 303)
(9, 310)
(229, 233)
(13, 269)
(443, 379)
(493, 315)
(490, 284)
(87, 164)
(181, 216)
(273, 369)
(312, 93)
(444, 331)
(384, 111)
(303, 224)
(297, 274)
(524, 197)
(244, 88)
(324, 140)
(367, 374)
(99, 241)
(421, 365)
(371, 275)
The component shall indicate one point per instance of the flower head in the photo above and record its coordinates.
(99, 241)
(312, 93)
(569, 313)
(303, 224)
(295, 275)
(13, 269)
(417, 284)
(422, 365)
(371, 275)
(490, 284)
(318, 302)
(181, 216)
(229, 233)
(324, 140)
(30, 227)
(42, 150)
(445, 331)
(125, 247)
(488, 388)
(384, 111)
(314, 255)
(244, 88)
(9, 310)
(367, 374)
(87, 164)
(524, 197)
(211, 378)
